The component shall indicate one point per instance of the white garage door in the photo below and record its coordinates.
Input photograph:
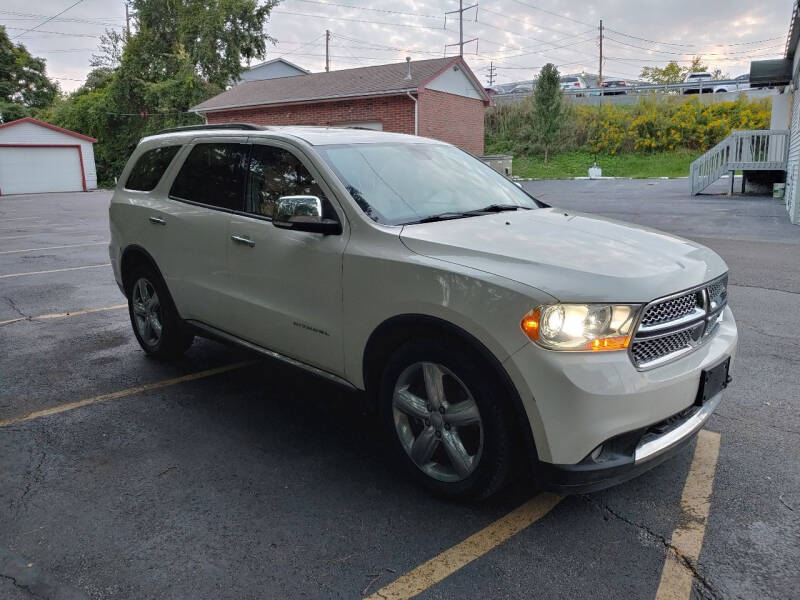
(36, 170)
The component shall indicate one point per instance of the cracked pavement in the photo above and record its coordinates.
(265, 482)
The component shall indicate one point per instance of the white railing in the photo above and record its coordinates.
(754, 150)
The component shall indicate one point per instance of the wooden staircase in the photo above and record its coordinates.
(753, 150)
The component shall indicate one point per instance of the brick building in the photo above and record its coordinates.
(439, 98)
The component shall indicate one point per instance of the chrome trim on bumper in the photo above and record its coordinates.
(658, 445)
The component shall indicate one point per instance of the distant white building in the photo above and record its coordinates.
(277, 67)
(38, 157)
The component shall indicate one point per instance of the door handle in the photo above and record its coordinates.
(157, 221)
(243, 240)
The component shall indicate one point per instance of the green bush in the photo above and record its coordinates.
(649, 126)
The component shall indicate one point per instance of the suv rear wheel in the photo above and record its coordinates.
(156, 324)
(449, 424)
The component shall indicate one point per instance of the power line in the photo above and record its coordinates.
(537, 25)
(288, 12)
(106, 21)
(46, 21)
(380, 10)
(748, 52)
(555, 14)
(87, 35)
(692, 45)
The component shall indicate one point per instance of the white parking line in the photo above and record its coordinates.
(52, 248)
(53, 271)
(18, 218)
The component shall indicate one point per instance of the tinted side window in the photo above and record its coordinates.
(213, 174)
(275, 172)
(148, 170)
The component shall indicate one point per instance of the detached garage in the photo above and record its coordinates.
(37, 157)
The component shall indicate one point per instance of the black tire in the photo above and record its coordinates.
(497, 457)
(174, 338)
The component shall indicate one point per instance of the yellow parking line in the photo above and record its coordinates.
(53, 271)
(475, 546)
(52, 248)
(687, 539)
(122, 393)
(63, 315)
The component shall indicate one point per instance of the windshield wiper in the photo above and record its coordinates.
(449, 216)
(496, 208)
(445, 216)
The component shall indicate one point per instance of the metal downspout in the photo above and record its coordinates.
(416, 104)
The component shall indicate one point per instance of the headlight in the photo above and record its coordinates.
(593, 327)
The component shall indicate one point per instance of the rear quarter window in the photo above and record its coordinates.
(149, 168)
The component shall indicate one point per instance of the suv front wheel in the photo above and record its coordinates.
(450, 426)
(156, 324)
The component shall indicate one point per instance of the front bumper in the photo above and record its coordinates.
(576, 401)
(624, 458)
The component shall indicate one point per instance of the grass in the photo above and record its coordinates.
(566, 165)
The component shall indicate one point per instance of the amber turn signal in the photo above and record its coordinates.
(530, 324)
(611, 343)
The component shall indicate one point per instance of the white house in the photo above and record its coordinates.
(277, 67)
(784, 73)
(37, 157)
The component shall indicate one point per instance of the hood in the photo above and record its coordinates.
(572, 256)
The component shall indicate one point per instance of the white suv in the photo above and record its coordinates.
(491, 330)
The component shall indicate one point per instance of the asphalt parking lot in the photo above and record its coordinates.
(224, 475)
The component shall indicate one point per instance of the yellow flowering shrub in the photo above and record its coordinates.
(650, 125)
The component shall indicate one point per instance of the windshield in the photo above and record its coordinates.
(397, 184)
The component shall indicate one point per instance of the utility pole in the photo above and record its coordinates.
(461, 27)
(127, 21)
(327, 50)
(492, 69)
(461, 10)
(600, 72)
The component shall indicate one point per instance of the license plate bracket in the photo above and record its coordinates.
(713, 381)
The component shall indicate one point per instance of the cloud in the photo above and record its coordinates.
(513, 35)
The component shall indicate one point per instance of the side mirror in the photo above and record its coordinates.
(304, 213)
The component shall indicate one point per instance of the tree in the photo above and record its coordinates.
(24, 85)
(110, 48)
(549, 110)
(180, 53)
(718, 75)
(672, 72)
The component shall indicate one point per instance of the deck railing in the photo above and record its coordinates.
(753, 150)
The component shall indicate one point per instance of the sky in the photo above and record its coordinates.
(516, 36)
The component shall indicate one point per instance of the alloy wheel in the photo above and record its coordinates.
(437, 421)
(147, 312)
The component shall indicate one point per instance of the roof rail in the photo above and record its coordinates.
(247, 126)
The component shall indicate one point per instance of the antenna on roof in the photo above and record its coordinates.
(408, 62)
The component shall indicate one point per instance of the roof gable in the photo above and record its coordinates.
(348, 83)
(49, 126)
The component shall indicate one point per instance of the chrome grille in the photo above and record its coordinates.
(718, 290)
(652, 349)
(676, 325)
(669, 310)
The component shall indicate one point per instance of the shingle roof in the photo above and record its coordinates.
(361, 81)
